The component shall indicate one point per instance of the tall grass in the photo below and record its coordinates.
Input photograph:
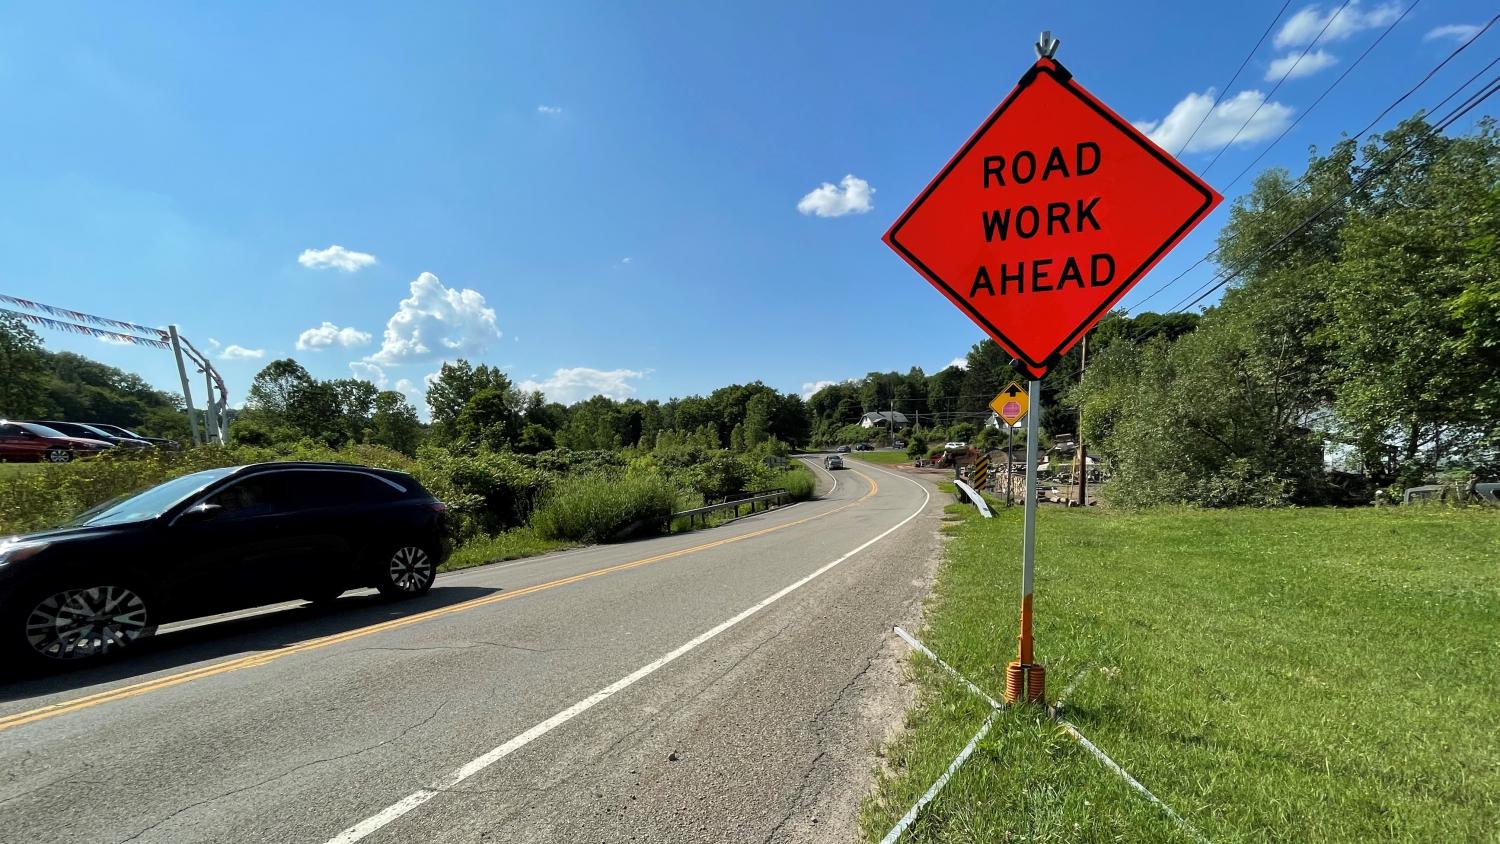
(596, 508)
(798, 481)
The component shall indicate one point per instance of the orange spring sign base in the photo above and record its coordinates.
(1025, 682)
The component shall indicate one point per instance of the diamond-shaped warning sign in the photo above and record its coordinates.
(1047, 216)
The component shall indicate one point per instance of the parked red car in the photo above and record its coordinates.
(27, 442)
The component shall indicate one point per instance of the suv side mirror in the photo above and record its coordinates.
(201, 513)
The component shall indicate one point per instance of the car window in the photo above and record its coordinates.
(9, 431)
(151, 502)
(323, 488)
(40, 430)
(258, 495)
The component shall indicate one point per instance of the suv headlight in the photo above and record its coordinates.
(12, 550)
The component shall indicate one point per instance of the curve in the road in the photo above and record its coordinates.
(393, 812)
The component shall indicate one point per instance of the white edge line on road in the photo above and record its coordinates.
(394, 811)
(831, 476)
(963, 756)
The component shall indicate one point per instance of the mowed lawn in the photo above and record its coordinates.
(888, 458)
(1273, 675)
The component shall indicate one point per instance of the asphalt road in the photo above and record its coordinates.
(727, 685)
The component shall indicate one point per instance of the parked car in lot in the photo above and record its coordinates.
(28, 442)
(159, 442)
(82, 431)
(833, 461)
(212, 542)
(955, 446)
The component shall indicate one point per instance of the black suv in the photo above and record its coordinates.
(212, 542)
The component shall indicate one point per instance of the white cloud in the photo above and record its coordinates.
(113, 340)
(851, 196)
(1304, 26)
(1226, 118)
(215, 344)
(581, 382)
(1295, 65)
(335, 257)
(436, 322)
(368, 372)
(233, 352)
(961, 363)
(547, 109)
(811, 388)
(1456, 31)
(328, 334)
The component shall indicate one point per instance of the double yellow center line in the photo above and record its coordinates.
(259, 659)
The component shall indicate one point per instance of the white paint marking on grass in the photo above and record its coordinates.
(1053, 712)
(911, 640)
(963, 756)
(406, 804)
(1057, 705)
(1125, 775)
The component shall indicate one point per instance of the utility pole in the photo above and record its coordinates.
(1081, 469)
(187, 394)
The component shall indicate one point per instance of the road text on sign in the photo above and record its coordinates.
(1012, 403)
(1047, 216)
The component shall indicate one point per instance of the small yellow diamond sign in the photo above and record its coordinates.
(1011, 404)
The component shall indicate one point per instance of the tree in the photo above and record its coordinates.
(20, 368)
(458, 382)
(394, 423)
(489, 418)
(756, 428)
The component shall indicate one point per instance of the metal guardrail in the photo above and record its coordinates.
(753, 500)
(972, 496)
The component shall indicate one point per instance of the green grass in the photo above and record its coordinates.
(8, 470)
(1273, 675)
(886, 458)
(510, 545)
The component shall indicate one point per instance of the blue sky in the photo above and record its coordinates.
(596, 197)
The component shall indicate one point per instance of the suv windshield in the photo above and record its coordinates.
(151, 502)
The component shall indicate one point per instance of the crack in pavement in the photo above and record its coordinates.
(287, 772)
(819, 728)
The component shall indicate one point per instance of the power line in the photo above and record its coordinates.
(1335, 84)
(1469, 104)
(1301, 181)
(1230, 83)
(1267, 98)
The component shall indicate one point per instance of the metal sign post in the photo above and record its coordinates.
(1024, 679)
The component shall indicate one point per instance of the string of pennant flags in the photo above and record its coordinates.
(80, 316)
(89, 330)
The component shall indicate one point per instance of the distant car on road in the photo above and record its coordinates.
(28, 442)
(843, 449)
(899, 444)
(833, 461)
(159, 442)
(955, 446)
(212, 542)
(864, 447)
(82, 431)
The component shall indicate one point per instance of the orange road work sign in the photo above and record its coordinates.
(1047, 216)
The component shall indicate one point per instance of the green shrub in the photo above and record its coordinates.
(797, 481)
(599, 508)
(488, 491)
(49, 495)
